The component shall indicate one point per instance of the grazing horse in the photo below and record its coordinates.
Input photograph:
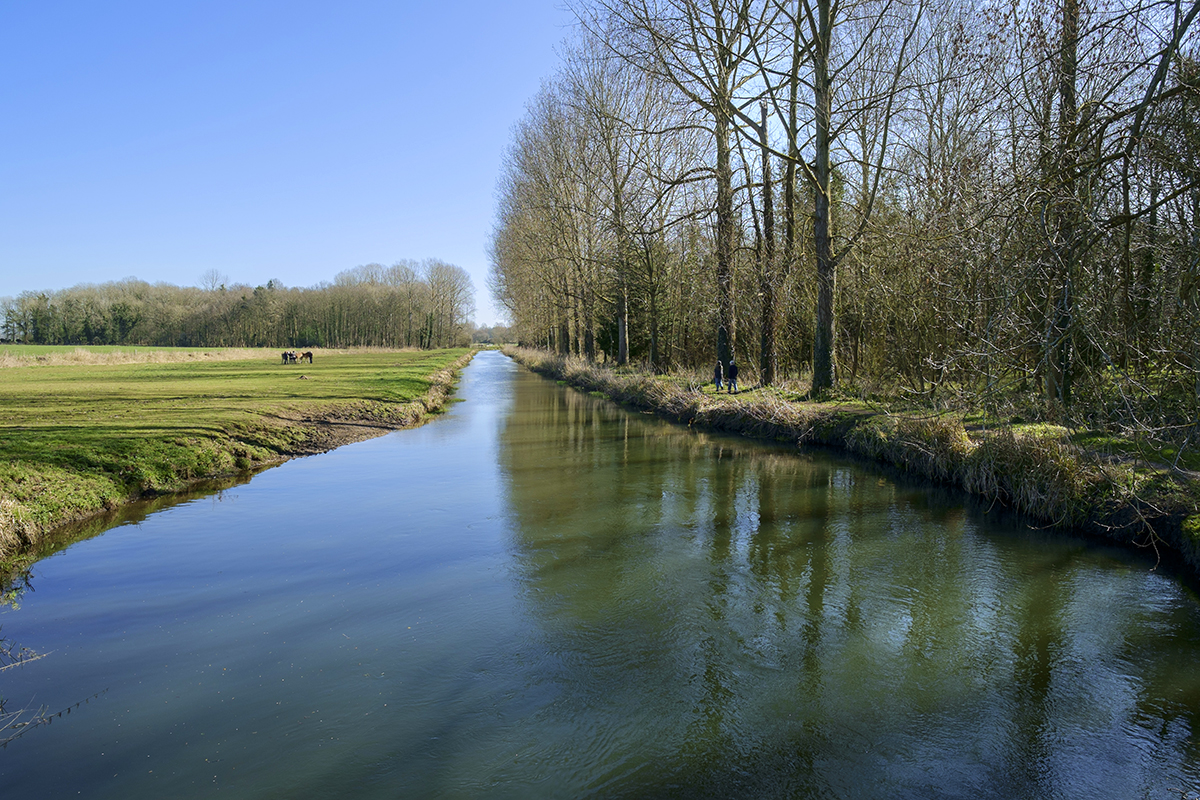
(307, 354)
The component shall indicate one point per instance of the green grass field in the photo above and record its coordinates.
(78, 434)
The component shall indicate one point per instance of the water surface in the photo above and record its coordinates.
(542, 595)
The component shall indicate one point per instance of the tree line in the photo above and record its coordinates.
(995, 203)
(425, 305)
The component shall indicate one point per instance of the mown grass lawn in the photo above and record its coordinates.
(82, 436)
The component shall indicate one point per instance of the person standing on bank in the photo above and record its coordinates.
(733, 370)
(717, 374)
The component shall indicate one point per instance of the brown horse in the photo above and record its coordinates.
(307, 354)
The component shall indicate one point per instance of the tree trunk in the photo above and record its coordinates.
(623, 257)
(1146, 279)
(652, 281)
(767, 358)
(589, 330)
(1059, 332)
(823, 344)
(726, 313)
(622, 325)
(564, 333)
(791, 230)
(589, 297)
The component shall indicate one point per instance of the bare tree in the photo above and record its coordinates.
(704, 50)
(213, 279)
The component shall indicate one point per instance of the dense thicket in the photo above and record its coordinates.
(995, 202)
(408, 304)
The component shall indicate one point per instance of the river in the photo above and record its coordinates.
(542, 595)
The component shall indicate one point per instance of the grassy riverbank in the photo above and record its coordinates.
(1042, 471)
(83, 430)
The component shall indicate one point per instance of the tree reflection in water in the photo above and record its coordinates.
(729, 617)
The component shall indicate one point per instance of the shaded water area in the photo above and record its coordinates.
(542, 595)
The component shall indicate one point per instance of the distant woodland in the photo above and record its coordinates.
(989, 204)
(409, 304)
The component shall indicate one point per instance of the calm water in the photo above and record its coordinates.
(540, 595)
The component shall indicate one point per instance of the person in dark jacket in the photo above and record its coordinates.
(733, 371)
(717, 374)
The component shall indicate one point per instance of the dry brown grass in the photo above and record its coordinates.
(81, 356)
(1047, 478)
(13, 528)
(932, 447)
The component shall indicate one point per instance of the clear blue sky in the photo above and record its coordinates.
(266, 139)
